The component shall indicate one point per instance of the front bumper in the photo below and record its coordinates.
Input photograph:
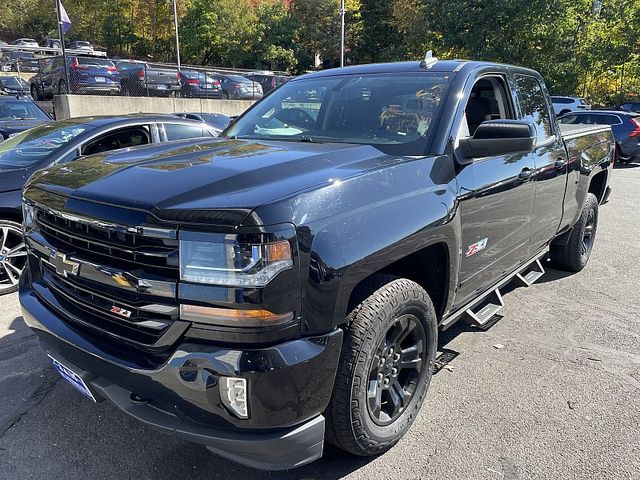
(289, 386)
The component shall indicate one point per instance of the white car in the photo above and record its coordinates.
(80, 45)
(26, 42)
(562, 105)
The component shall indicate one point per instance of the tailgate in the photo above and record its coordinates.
(161, 76)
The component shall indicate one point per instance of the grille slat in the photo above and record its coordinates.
(133, 316)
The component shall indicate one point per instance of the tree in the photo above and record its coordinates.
(222, 32)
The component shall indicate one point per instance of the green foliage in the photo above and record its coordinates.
(578, 51)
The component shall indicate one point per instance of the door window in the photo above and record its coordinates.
(534, 106)
(488, 101)
(122, 138)
(176, 131)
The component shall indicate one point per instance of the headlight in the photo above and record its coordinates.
(228, 261)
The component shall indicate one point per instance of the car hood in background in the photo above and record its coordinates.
(9, 127)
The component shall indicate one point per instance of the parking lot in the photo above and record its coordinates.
(550, 391)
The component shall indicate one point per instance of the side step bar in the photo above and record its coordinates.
(534, 272)
(492, 304)
(483, 308)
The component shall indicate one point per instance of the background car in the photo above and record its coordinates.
(562, 105)
(52, 43)
(80, 45)
(268, 80)
(216, 120)
(62, 142)
(18, 114)
(236, 86)
(625, 127)
(199, 85)
(143, 79)
(26, 42)
(86, 74)
(21, 61)
(629, 107)
(13, 86)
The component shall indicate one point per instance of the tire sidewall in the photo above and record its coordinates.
(591, 204)
(13, 224)
(388, 435)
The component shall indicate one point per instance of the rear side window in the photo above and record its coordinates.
(176, 131)
(534, 106)
(606, 120)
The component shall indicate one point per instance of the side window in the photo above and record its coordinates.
(175, 131)
(570, 119)
(488, 101)
(607, 120)
(123, 138)
(534, 106)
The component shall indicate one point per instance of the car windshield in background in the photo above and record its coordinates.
(95, 62)
(392, 112)
(32, 146)
(21, 110)
(238, 79)
(13, 82)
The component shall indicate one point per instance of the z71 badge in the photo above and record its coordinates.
(476, 247)
(120, 311)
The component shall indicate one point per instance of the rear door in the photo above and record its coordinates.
(549, 157)
(496, 197)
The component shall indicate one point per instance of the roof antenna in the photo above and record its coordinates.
(429, 60)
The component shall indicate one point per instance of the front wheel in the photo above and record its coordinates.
(13, 256)
(574, 255)
(34, 93)
(385, 368)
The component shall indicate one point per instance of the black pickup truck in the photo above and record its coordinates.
(285, 284)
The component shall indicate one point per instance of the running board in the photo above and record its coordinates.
(491, 305)
(533, 273)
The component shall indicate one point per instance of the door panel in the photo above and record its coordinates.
(495, 212)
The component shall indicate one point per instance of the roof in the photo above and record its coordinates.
(100, 120)
(606, 112)
(407, 67)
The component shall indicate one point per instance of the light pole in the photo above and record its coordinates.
(342, 13)
(175, 23)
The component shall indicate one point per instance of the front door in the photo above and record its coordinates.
(495, 199)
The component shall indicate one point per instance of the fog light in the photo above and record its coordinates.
(233, 392)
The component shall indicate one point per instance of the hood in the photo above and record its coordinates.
(11, 178)
(215, 174)
(9, 127)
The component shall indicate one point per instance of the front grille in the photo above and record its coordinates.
(100, 294)
(106, 245)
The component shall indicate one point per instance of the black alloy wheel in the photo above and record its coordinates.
(395, 369)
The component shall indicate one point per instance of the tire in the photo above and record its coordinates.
(355, 423)
(574, 255)
(34, 93)
(13, 256)
(62, 88)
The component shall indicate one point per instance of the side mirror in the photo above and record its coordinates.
(499, 137)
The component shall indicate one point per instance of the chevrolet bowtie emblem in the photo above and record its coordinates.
(64, 267)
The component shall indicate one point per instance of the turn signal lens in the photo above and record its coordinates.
(233, 318)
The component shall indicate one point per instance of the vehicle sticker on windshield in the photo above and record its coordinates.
(476, 247)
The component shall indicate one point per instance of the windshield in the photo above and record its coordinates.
(14, 82)
(20, 110)
(393, 112)
(31, 146)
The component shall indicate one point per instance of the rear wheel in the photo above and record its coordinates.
(574, 255)
(385, 368)
(62, 88)
(13, 256)
(34, 93)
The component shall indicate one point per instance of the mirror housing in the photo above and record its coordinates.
(499, 137)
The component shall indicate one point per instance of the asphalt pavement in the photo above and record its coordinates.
(551, 391)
